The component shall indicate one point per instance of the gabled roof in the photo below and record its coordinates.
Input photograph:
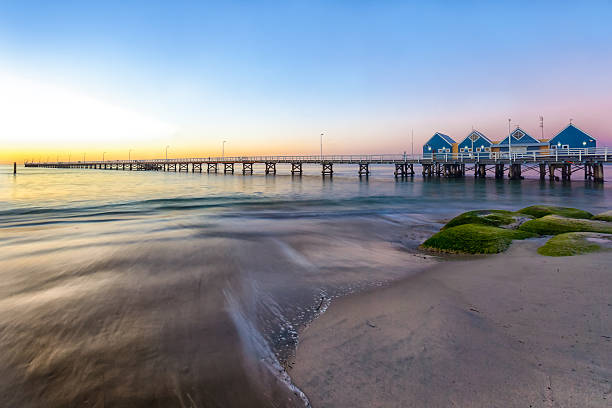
(572, 130)
(446, 138)
(480, 135)
(519, 136)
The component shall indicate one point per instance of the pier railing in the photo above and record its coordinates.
(543, 154)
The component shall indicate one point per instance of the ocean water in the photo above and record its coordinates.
(140, 289)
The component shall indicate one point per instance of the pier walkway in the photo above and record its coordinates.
(546, 162)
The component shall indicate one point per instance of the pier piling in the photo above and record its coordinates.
(296, 168)
(514, 172)
(364, 169)
(328, 168)
(270, 167)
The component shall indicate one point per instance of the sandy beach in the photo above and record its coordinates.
(510, 330)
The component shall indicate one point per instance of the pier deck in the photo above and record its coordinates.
(546, 162)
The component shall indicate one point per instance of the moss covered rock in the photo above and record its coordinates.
(554, 224)
(474, 239)
(604, 216)
(538, 211)
(576, 243)
(494, 218)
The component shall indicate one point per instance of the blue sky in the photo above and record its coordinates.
(272, 75)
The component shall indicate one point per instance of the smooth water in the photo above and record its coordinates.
(181, 289)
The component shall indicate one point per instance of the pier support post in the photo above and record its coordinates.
(514, 173)
(542, 171)
(588, 171)
(328, 168)
(247, 168)
(296, 168)
(452, 170)
(482, 170)
(499, 170)
(400, 170)
(551, 172)
(228, 168)
(411, 166)
(598, 172)
(14, 167)
(270, 167)
(364, 169)
(211, 167)
(567, 171)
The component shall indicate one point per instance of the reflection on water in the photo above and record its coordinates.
(167, 289)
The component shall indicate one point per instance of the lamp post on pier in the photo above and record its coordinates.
(223, 149)
(509, 141)
(130, 155)
(103, 153)
(322, 146)
(167, 152)
(472, 138)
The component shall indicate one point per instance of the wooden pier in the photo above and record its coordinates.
(557, 164)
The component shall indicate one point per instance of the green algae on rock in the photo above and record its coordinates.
(576, 243)
(493, 218)
(604, 216)
(539, 211)
(554, 224)
(474, 239)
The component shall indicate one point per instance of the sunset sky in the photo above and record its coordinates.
(268, 77)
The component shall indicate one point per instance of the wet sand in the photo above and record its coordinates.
(510, 330)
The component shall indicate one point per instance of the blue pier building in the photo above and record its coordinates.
(571, 138)
(439, 143)
(475, 142)
(521, 142)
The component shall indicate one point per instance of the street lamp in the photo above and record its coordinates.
(509, 141)
(322, 146)
(472, 138)
(167, 152)
(223, 149)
